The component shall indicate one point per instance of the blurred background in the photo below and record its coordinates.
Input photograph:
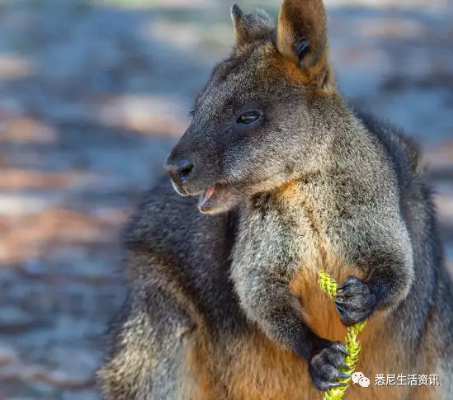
(93, 93)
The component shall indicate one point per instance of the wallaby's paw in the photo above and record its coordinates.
(354, 300)
(324, 366)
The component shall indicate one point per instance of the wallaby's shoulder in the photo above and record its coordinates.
(403, 151)
(171, 245)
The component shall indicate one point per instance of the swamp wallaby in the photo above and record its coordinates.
(227, 306)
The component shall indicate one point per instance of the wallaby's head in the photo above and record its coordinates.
(257, 119)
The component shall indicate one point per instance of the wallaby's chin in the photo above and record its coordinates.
(218, 198)
(177, 189)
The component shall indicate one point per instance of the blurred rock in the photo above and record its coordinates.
(13, 320)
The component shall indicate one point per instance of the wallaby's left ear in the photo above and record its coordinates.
(302, 37)
(250, 27)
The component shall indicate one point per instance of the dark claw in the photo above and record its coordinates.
(342, 349)
(340, 309)
(344, 286)
(343, 375)
(352, 281)
(336, 384)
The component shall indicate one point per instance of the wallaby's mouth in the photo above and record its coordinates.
(213, 197)
(216, 198)
(205, 197)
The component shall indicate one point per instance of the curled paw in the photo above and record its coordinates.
(325, 365)
(355, 301)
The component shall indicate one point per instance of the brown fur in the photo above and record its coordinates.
(197, 379)
(260, 370)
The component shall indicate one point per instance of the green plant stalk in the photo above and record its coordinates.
(352, 344)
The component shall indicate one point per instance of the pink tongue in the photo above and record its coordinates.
(207, 195)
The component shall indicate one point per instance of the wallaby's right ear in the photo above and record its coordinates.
(302, 37)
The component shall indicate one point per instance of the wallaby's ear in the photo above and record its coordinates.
(250, 27)
(302, 37)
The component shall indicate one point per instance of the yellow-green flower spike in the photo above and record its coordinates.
(352, 344)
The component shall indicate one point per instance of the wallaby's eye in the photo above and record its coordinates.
(249, 117)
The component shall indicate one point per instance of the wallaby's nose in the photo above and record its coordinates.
(179, 170)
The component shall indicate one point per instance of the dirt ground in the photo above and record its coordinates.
(92, 96)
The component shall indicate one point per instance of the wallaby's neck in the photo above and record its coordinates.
(337, 132)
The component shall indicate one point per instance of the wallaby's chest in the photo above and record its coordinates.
(310, 239)
(311, 244)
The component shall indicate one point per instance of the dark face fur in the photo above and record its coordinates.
(252, 123)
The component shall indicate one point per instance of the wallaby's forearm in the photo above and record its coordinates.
(270, 303)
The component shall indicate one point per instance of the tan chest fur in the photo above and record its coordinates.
(258, 369)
